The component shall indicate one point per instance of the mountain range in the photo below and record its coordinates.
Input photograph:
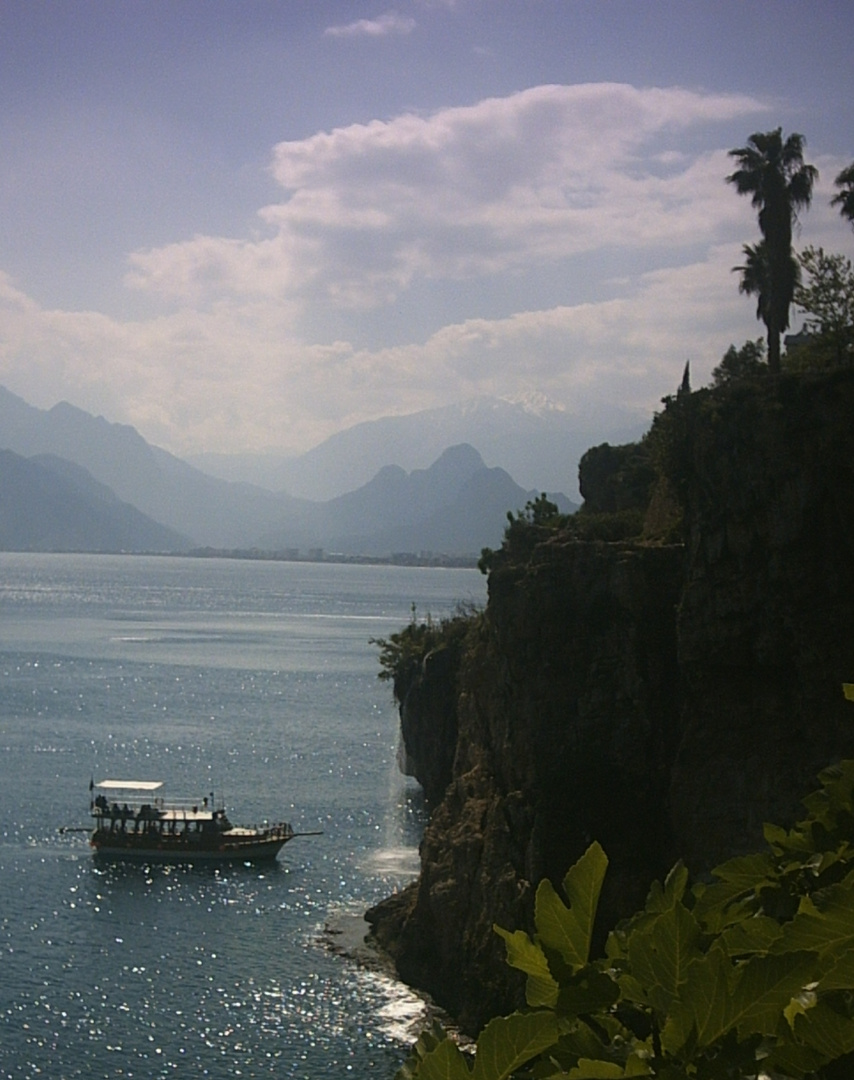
(72, 481)
(537, 443)
(50, 504)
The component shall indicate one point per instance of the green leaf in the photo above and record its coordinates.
(754, 935)
(661, 953)
(428, 1040)
(703, 1006)
(633, 990)
(663, 898)
(848, 691)
(569, 930)
(747, 871)
(826, 1030)
(527, 956)
(591, 991)
(824, 924)
(840, 976)
(508, 1042)
(764, 987)
(446, 1062)
(723, 904)
(586, 1069)
(582, 1041)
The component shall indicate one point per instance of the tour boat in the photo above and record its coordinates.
(134, 821)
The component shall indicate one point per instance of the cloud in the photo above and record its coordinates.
(545, 174)
(235, 377)
(246, 353)
(390, 23)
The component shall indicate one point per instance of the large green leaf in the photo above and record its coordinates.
(428, 1040)
(581, 1041)
(755, 935)
(569, 930)
(826, 1030)
(590, 991)
(764, 987)
(664, 897)
(508, 1042)
(824, 923)
(446, 1062)
(719, 998)
(527, 956)
(840, 976)
(661, 953)
(703, 1008)
(747, 871)
(723, 904)
(588, 1069)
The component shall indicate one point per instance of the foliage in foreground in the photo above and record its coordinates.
(751, 975)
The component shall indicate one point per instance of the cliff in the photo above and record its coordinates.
(665, 699)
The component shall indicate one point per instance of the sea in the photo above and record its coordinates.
(253, 680)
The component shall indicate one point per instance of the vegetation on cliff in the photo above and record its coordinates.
(403, 654)
(773, 172)
(655, 671)
(750, 974)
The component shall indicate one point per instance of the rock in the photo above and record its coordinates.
(665, 700)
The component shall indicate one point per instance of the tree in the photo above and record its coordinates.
(773, 173)
(754, 279)
(738, 364)
(827, 301)
(845, 199)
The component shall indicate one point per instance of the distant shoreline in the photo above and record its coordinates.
(448, 562)
(405, 558)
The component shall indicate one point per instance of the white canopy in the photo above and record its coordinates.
(130, 785)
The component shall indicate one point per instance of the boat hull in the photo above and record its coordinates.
(192, 850)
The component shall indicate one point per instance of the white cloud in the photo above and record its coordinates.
(541, 179)
(538, 176)
(390, 23)
(234, 377)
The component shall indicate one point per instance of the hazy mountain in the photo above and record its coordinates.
(208, 510)
(49, 504)
(457, 506)
(538, 444)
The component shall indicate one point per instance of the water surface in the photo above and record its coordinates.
(254, 680)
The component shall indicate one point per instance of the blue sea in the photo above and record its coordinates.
(253, 680)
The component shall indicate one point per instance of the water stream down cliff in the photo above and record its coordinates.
(665, 699)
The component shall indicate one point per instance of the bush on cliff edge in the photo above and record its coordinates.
(403, 653)
(750, 975)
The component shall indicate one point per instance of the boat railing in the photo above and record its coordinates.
(266, 830)
(104, 806)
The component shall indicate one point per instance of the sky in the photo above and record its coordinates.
(244, 225)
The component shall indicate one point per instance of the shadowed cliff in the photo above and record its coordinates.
(665, 698)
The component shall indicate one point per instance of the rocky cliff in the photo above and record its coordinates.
(665, 699)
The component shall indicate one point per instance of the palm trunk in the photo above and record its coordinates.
(774, 351)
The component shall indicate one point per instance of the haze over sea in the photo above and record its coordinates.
(254, 680)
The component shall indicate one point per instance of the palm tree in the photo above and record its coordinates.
(774, 174)
(756, 278)
(845, 199)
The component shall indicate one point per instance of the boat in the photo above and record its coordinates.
(134, 821)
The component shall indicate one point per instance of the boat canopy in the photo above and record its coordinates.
(130, 785)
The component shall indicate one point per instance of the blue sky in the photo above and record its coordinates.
(246, 225)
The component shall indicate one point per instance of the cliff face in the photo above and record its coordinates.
(766, 619)
(662, 700)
